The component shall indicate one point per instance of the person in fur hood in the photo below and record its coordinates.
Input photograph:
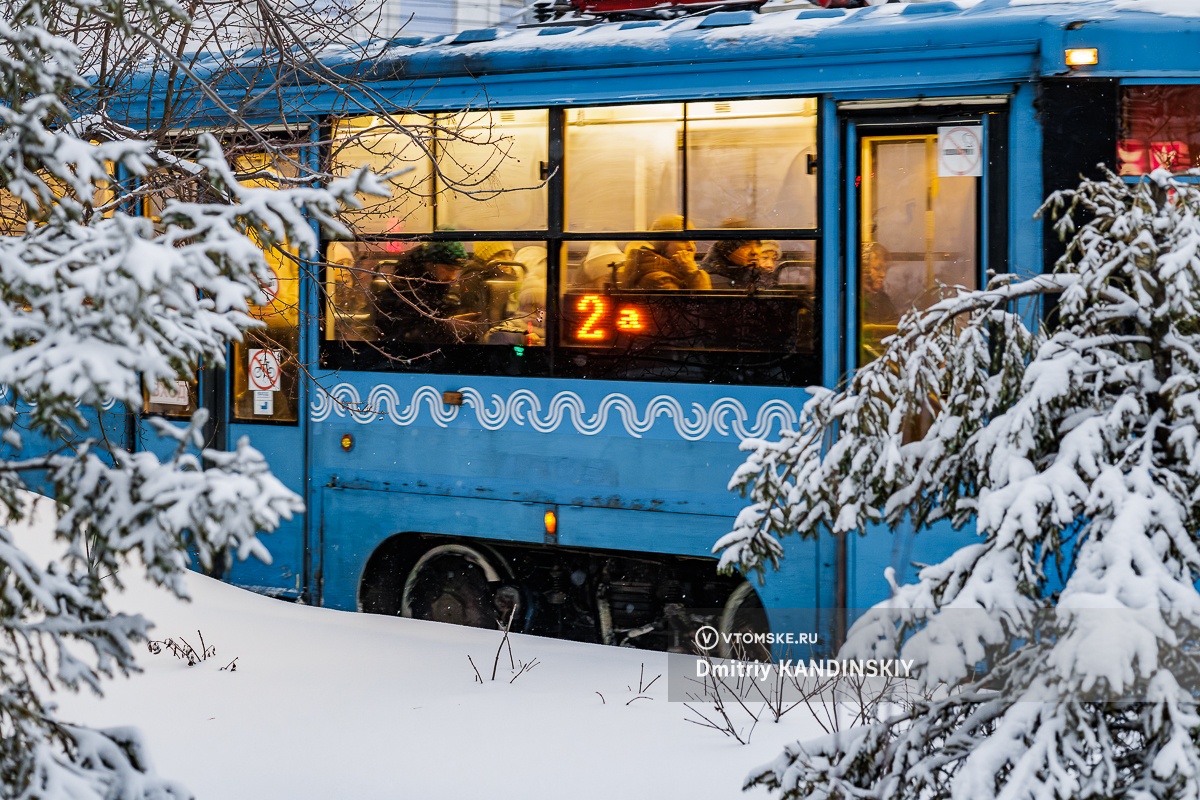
(664, 264)
(733, 264)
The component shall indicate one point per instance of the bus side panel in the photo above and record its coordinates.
(357, 521)
(626, 466)
(284, 575)
(903, 550)
(111, 425)
(632, 446)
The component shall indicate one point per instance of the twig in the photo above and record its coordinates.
(639, 697)
(478, 677)
(525, 667)
(602, 700)
(500, 649)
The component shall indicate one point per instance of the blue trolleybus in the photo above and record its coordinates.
(619, 249)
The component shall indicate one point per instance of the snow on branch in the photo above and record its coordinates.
(1057, 644)
(99, 303)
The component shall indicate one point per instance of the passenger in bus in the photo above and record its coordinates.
(531, 297)
(877, 306)
(768, 255)
(734, 264)
(351, 310)
(601, 266)
(524, 322)
(422, 300)
(664, 264)
(484, 275)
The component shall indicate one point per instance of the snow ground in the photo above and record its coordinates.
(328, 704)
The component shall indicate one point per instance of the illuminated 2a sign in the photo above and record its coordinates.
(598, 318)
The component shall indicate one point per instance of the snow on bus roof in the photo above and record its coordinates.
(838, 48)
(907, 24)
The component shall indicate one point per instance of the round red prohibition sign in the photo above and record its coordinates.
(961, 151)
(269, 288)
(264, 371)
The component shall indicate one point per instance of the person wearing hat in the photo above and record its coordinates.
(600, 267)
(487, 252)
(665, 264)
(491, 261)
(768, 255)
(733, 263)
(420, 301)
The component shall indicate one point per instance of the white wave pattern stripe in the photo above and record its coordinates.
(725, 417)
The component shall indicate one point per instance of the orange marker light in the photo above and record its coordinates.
(1082, 56)
(597, 309)
(551, 520)
(347, 442)
(630, 320)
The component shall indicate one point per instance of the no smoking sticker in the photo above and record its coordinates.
(264, 370)
(960, 151)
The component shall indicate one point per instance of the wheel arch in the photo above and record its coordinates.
(381, 584)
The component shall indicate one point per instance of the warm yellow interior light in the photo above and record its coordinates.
(1082, 56)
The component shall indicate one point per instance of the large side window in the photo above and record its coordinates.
(745, 164)
(711, 259)
(1160, 129)
(394, 297)
(679, 241)
(473, 171)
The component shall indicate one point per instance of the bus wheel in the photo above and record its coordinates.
(452, 583)
(742, 617)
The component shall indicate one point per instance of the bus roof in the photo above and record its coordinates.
(937, 47)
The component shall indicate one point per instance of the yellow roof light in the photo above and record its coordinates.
(1082, 56)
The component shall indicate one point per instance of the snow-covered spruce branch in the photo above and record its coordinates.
(96, 305)
(1072, 451)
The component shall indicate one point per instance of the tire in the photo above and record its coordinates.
(743, 614)
(452, 583)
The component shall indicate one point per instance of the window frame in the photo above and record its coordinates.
(558, 360)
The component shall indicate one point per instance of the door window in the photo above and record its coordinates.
(919, 232)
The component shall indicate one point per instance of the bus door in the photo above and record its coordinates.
(918, 232)
(266, 402)
(922, 198)
(257, 394)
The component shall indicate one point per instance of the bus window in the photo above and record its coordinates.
(478, 170)
(623, 166)
(1160, 129)
(754, 161)
(404, 295)
(389, 144)
(12, 214)
(918, 235)
(636, 298)
(490, 168)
